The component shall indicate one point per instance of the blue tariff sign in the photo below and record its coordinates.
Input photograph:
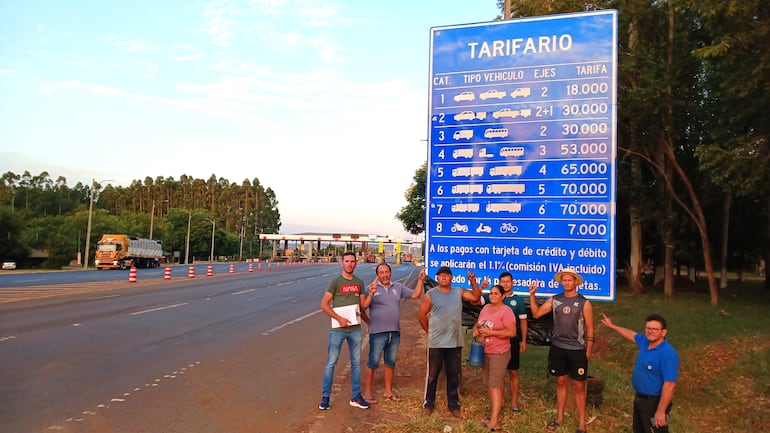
(522, 151)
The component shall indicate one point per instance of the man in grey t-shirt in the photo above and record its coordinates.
(383, 299)
(441, 317)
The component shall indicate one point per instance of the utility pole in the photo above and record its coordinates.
(88, 230)
(187, 241)
(152, 218)
(213, 230)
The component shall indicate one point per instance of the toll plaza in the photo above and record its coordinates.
(327, 246)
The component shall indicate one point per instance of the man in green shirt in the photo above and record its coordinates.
(344, 290)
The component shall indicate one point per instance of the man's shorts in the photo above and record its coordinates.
(383, 344)
(513, 364)
(564, 361)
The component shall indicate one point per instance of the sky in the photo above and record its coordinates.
(325, 102)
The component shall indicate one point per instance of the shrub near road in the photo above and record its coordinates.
(724, 379)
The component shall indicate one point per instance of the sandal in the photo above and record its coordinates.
(553, 425)
(495, 428)
(392, 397)
(370, 400)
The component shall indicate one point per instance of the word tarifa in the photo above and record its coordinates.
(516, 46)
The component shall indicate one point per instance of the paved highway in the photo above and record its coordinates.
(236, 352)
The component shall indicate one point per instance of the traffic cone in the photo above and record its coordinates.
(251, 268)
(259, 267)
(167, 273)
(268, 266)
(132, 275)
(191, 272)
(210, 271)
(232, 268)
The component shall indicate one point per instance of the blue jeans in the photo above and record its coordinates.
(336, 338)
(383, 344)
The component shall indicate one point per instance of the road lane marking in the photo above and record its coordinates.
(10, 337)
(243, 291)
(152, 310)
(298, 319)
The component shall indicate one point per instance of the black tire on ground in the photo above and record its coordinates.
(595, 399)
(594, 385)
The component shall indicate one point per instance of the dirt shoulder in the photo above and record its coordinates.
(408, 383)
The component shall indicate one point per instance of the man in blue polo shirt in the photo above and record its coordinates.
(655, 373)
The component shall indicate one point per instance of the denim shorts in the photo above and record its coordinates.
(383, 344)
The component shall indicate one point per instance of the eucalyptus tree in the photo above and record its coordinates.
(9, 183)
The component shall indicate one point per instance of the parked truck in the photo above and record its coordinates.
(124, 251)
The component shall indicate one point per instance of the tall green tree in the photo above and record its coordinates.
(736, 57)
(412, 216)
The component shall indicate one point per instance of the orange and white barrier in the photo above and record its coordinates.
(191, 272)
(232, 268)
(210, 271)
(167, 273)
(132, 275)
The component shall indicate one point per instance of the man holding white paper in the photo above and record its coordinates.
(341, 302)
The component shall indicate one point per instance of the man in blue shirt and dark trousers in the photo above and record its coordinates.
(654, 376)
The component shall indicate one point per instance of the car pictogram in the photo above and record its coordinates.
(521, 91)
(464, 96)
(465, 115)
(492, 94)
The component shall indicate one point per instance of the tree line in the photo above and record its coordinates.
(40, 213)
(693, 168)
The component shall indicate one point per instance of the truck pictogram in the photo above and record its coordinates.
(467, 188)
(462, 153)
(503, 207)
(465, 207)
(467, 171)
(506, 170)
(499, 188)
(466, 134)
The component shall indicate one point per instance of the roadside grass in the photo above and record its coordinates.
(723, 386)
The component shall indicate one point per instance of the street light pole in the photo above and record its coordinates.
(187, 241)
(213, 228)
(88, 229)
(152, 218)
(241, 234)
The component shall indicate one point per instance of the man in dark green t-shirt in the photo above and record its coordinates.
(344, 290)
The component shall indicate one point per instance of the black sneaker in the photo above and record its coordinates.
(324, 404)
(359, 402)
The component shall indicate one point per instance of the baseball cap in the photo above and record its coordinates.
(444, 270)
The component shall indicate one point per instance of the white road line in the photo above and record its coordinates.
(243, 291)
(298, 319)
(11, 337)
(151, 310)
